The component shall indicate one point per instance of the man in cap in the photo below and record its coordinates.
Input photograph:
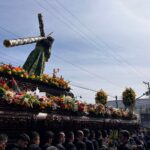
(124, 137)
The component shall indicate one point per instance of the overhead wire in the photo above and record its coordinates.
(55, 55)
(105, 43)
(10, 32)
(5, 54)
(6, 31)
(88, 89)
(102, 41)
(39, 4)
(93, 74)
(63, 59)
(7, 60)
(83, 36)
(76, 31)
(79, 67)
(15, 62)
(17, 35)
(90, 73)
(57, 17)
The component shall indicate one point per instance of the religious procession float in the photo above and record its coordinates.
(31, 100)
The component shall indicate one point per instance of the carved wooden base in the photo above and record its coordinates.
(15, 122)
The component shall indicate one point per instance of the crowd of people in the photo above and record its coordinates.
(79, 140)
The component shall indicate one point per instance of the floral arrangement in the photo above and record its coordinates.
(29, 99)
(46, 79)
(128, 97)
(101, 97)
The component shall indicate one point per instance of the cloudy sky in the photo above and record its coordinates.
(99, 44)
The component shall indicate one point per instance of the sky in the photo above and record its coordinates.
(99, 44)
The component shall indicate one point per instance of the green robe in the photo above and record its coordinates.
(35, 62)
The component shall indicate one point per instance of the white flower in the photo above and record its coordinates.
(30, 93)
(10, 94)
(68, 98)
(26, 100)
(54, 107)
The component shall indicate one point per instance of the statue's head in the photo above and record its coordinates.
(50, 38)
(46, 43)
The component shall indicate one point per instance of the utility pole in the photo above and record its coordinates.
(116, 97)
(147, 93)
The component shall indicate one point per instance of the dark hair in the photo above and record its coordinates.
(104, 134)
(60, 134)
(125, 133)
(92, 134)
(69, 135)
(86, 132)
(79, 133)
(98, 134)
(34, 135)
(3, 138)
(24, 137)
(48, 135)
(46, 43)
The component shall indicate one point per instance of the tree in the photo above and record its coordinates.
(128, 97)
(101, 97)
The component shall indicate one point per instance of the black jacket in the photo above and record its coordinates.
(80, 145)
(124, 146)
(12, 147)
(45, 146)
(89, 144)
(34, 147)
(70, 146)
(60, 147)
(95, 144)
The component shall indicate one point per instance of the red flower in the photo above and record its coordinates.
(62, 105)
(81, 107)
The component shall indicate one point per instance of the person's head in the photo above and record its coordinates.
(46, 43)
(23, 141)
(61, 137)
(70, 136)
(131, 140)
(104, 134)
(35, 138)
(98, 134)
(3, 141)
(86, 132)
(92, 136)
(124, 136)
(80, 135)
(48, 137)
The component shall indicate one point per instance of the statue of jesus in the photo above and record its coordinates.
(35, 62)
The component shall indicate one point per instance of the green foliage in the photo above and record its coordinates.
(30, 100)
(128, 97)
(101, 97)
(2, 92)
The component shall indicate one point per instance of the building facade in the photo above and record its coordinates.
(142, 107)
